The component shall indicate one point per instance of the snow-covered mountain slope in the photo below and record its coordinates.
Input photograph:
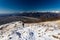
(30, 31)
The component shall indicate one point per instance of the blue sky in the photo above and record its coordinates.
(29, 5)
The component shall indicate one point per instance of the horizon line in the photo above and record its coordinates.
(28, 11)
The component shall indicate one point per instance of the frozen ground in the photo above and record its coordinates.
(32, 31)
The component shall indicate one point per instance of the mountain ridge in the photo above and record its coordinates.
(29, 17)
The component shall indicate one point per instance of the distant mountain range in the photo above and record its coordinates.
(29, 17)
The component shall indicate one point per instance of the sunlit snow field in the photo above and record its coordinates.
(30, 31)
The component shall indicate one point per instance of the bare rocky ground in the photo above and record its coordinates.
(49, 30)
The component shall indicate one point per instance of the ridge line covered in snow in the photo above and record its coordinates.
(32, 31)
